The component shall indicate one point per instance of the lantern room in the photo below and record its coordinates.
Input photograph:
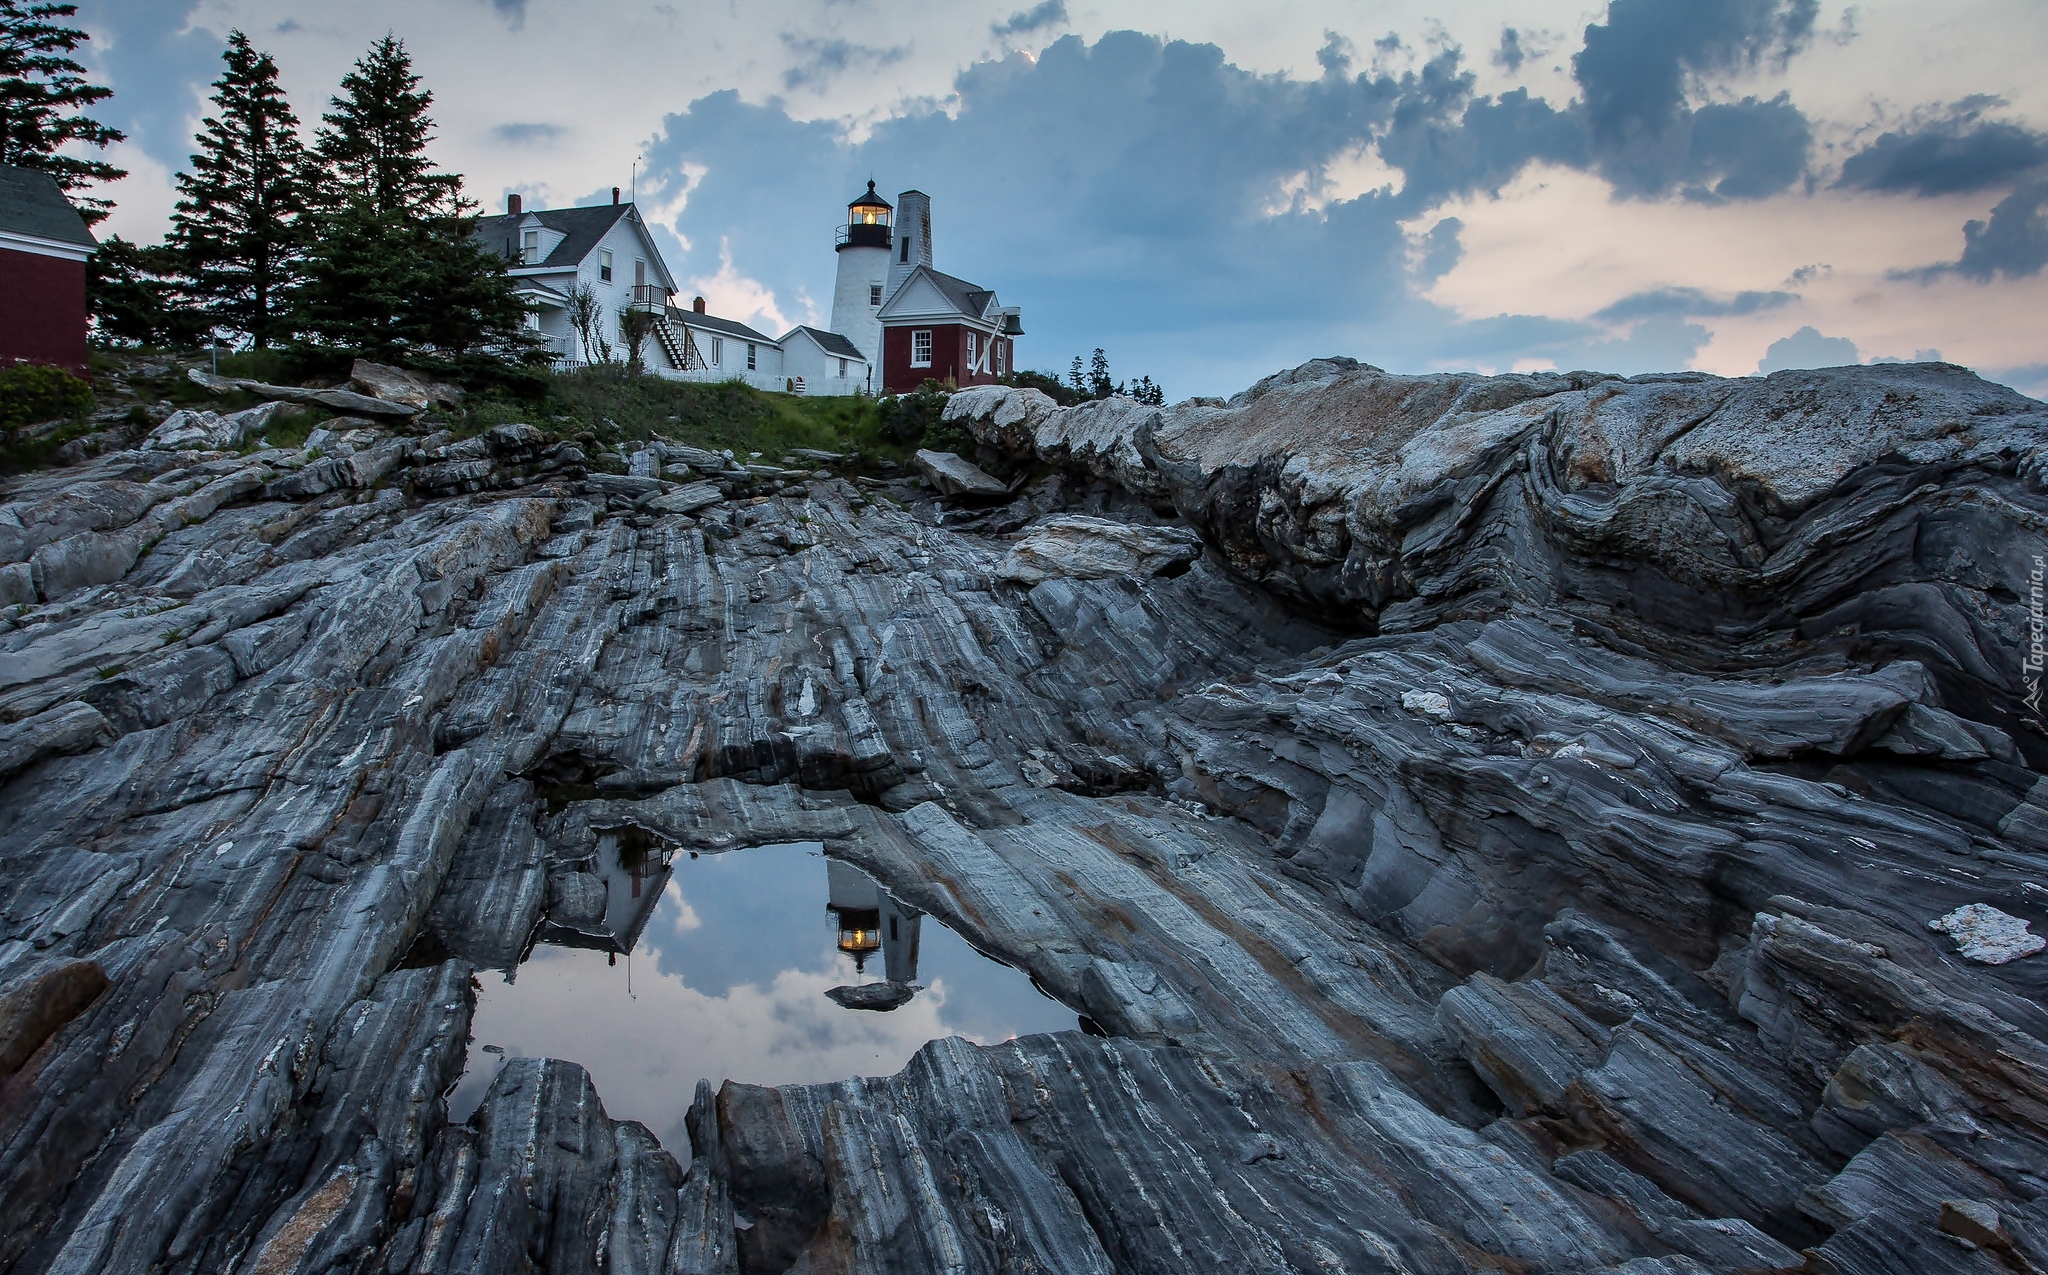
(867, 221)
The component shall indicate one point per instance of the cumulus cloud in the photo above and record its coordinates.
(1510, 55)
(1052, 13)
(1807, 348)
(1648, 139)
(2014, 243)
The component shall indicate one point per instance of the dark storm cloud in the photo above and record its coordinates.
(1692, 303)
(1633, 75)
(1052, 13)
(822, 60)
(1961, 153)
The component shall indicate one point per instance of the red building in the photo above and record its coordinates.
(934, 326)
(43, 250)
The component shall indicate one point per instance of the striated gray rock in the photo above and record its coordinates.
(1095, 548)
(952, 475)
(1511, 844)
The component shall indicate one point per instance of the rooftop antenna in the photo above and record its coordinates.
(633, 183)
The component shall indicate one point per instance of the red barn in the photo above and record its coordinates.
(43, 249)
(934, 326)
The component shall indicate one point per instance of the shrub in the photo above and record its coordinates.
(913, 419)
(31, 392)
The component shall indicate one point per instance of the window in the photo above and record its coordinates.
(973, 348)
(604, 264)
(874, 294)
(1002, 349)
(718, 351)
(529, 251)
(921, 348)
(639, 274)
(906, 249)
(842, 367)
(750, 356)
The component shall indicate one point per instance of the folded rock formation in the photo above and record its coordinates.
(1511, 846)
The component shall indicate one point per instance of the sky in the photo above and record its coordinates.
(1213, 190)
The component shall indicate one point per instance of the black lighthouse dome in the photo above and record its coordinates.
(867, 221)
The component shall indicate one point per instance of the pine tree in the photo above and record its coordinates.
(236, 228)
(43, 94)
(1099, 383)
(131, 290)
(372, 143)
(393, 269)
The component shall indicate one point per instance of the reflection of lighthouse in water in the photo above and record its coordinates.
(869, 918)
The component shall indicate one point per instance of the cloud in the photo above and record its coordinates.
(1440, 250)
(2014, 243)
(1510, 55)
(1959, 154)
(1807, 348)
(528, 134)
(822, 60)
(1634, 73)
(513, 11)
(1692, 303)
(1052, 13)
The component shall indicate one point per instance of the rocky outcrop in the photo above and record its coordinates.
(1511, 844)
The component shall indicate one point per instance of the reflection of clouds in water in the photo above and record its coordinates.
(685, 918)
(646, 1051)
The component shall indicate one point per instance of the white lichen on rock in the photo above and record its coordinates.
(1983, 933)
(1427, 703)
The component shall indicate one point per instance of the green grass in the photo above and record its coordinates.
(615, 407)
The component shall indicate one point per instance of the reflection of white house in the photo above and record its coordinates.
(607, 249)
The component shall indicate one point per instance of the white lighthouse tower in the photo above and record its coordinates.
(864, 244)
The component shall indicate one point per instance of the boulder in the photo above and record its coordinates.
(954, 475)
(875, 996)
(687, 499)
(1085, 548)
(201, 431)
(398, 385)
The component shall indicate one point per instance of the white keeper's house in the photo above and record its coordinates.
(888, 304)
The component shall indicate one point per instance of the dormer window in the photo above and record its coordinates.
(604, 264)
(529, 248)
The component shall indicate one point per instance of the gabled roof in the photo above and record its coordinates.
(969, 299)
(830, 342)
(33, 205)
(583, 227)
(726, 327)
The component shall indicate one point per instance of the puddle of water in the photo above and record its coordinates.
(719, 967)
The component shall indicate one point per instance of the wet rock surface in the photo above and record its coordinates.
(1511, 846)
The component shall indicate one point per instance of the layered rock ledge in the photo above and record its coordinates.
(1511, 845)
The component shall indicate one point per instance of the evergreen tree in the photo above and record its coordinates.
(393, 269)
(236, 225)
(43, 94)
(1099, 383)
(1075, 377)
(372, 144)
(132, 293)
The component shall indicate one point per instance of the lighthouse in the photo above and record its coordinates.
(864, 245)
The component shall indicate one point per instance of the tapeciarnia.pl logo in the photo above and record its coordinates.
(2037, 630)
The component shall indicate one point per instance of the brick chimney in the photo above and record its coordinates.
(615, 194)
(698, 305)
(512, 205)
